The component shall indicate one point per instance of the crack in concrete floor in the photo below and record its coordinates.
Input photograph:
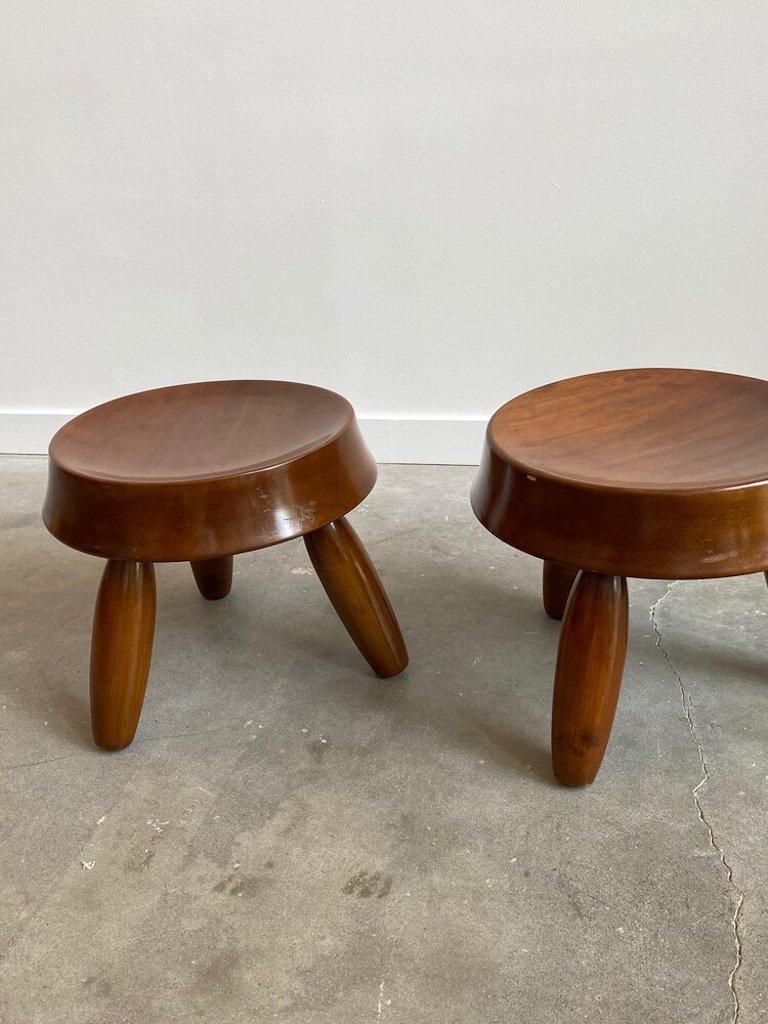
(686, 698)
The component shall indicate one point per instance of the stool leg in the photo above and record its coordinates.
(213, 576)
(557, 581)
(590, 662)
(356, 592)
(121, 650)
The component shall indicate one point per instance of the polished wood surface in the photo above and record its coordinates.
(213, 576)
(590, 662)
(557, 581)
(199, 473)
(121, 651)
(201, 470)
(357, 594)
(657, 473)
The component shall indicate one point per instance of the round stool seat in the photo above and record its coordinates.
(657, 473)
(202, 470)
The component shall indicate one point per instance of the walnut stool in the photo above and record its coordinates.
(661, 474)
(199, 473)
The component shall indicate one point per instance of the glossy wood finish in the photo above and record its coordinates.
(557, 581)
(121, 651)
(213, 576)
(356, 592)
(657, 473)
(590, 662)
(199, 473)
(201, 470)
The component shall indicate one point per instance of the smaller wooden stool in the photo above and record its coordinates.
(199, 473)
(655, 473)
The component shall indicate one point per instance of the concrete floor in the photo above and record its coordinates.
(290, 839)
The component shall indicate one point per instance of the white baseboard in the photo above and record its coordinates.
(445, 440)
(28, 432)
(428, 440)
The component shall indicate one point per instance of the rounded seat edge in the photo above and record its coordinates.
(189, 519)
(665, 534)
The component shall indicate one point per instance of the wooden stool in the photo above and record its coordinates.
(200, 473)
(661, 474)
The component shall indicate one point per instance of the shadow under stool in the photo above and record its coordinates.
(652, 473)
(199, 473)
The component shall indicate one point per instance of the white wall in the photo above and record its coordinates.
(429, 206)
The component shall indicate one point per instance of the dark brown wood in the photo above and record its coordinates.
(203, 470)
(590, 663)
(658, 473)
(557, 581)
(213, 576)
(199, 473)
(356, 592)
(121, 651)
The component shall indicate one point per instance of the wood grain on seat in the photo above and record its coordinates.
(653, 473)
(202, 470)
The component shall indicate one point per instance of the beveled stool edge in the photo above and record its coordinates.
(204, 517)
(623, 532)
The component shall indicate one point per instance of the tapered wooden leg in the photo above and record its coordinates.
(121, 650)
(590, 662)
(356, 592)
(557, 581)
(213, 576)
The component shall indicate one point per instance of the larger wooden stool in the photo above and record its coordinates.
(654, 473)
(199, 473)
